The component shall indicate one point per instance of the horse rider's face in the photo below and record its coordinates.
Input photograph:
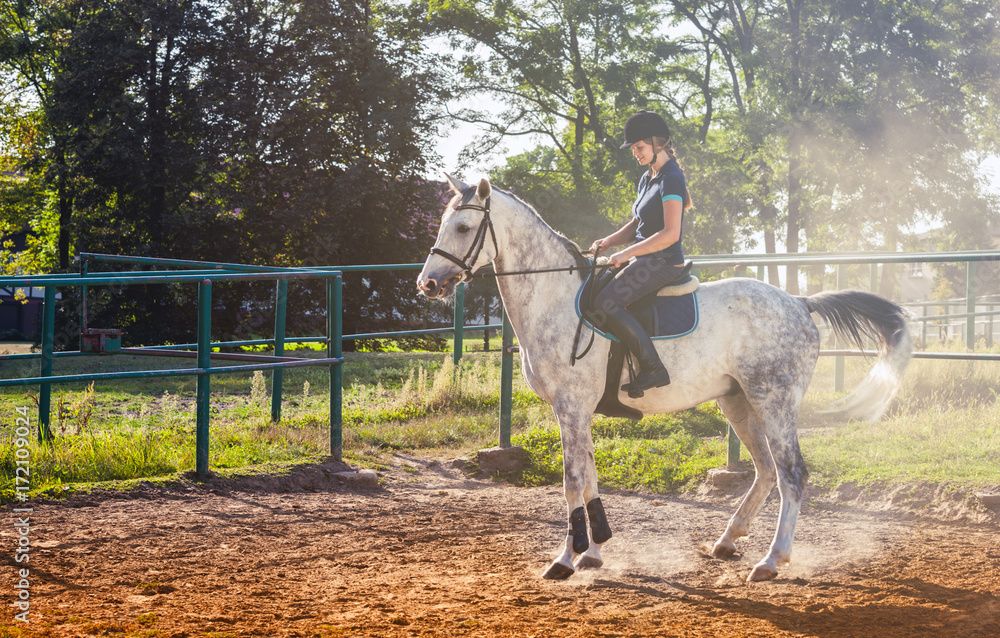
(643, 152)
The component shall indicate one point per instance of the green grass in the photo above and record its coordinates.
(942, 427)
(668, 463)
(956, 445)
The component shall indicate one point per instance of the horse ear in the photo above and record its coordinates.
(484, 189)
(457, 185)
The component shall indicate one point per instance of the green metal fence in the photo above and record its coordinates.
(206, 272)
(204, 355)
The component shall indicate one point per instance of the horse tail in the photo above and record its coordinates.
(855, 315)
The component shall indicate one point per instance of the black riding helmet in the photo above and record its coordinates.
(644, 125)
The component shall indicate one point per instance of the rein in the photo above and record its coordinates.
(569, 269)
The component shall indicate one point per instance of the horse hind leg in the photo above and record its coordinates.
(749, 428)
(792, 478)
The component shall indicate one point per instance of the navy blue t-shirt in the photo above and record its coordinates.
(648, 207)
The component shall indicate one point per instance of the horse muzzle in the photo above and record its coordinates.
(432, 288)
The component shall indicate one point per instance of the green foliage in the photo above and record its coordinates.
(661, 466)
(269, 133)
(545, 449)
(827, 125)
(705, 420)
(29, 225)
(959, 445)
(665, 463)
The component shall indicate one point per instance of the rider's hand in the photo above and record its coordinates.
(597, 246)
(618, 258)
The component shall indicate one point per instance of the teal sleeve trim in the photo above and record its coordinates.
(673, 197)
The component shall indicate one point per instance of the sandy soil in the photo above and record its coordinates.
(434, 553)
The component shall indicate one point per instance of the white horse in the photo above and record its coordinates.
(754, 352)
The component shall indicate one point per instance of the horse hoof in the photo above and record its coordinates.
(589, 562)
(723, 551)
(558, 571)
(761, 573)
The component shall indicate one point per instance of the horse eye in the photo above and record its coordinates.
(462, 228)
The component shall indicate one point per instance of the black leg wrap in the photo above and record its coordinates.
(599, 528)
(578, 530)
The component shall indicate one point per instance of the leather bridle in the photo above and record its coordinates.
(469, 261)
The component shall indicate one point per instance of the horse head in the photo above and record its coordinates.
(465, 243)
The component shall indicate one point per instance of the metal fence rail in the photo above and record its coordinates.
(204, 369)
(192, 271)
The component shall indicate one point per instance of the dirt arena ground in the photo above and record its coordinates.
(434, 553)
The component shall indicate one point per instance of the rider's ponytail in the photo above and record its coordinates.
(663, 144)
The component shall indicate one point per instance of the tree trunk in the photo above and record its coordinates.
(64, 196)
(771, 248)
(794, 151)
(157, 117)
(794, 210)
(888, 282)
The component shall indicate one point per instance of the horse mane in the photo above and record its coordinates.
(571, 246)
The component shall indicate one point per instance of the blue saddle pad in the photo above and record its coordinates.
(662, 317)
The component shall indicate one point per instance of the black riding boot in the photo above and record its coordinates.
(652, 374)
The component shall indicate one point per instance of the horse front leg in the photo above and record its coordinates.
(582, 499)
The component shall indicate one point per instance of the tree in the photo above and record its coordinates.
(126, 93)
(572, 73)
(288, 133)
(30, 42)
(844, 105)
(789, 114)
(325, 147)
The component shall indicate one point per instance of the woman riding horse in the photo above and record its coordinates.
(656, 258)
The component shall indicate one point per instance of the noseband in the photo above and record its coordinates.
(471, 257)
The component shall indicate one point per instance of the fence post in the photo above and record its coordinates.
(732, 449)
(335, 350)
(838, 361)
(989, 329)
(48, 340)
(970, 305)
(456, 353)
(84, 271)
(277, 375)
(947, 324)
(506, 377)
(204, 377)
(923, 329)
(872, 288)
